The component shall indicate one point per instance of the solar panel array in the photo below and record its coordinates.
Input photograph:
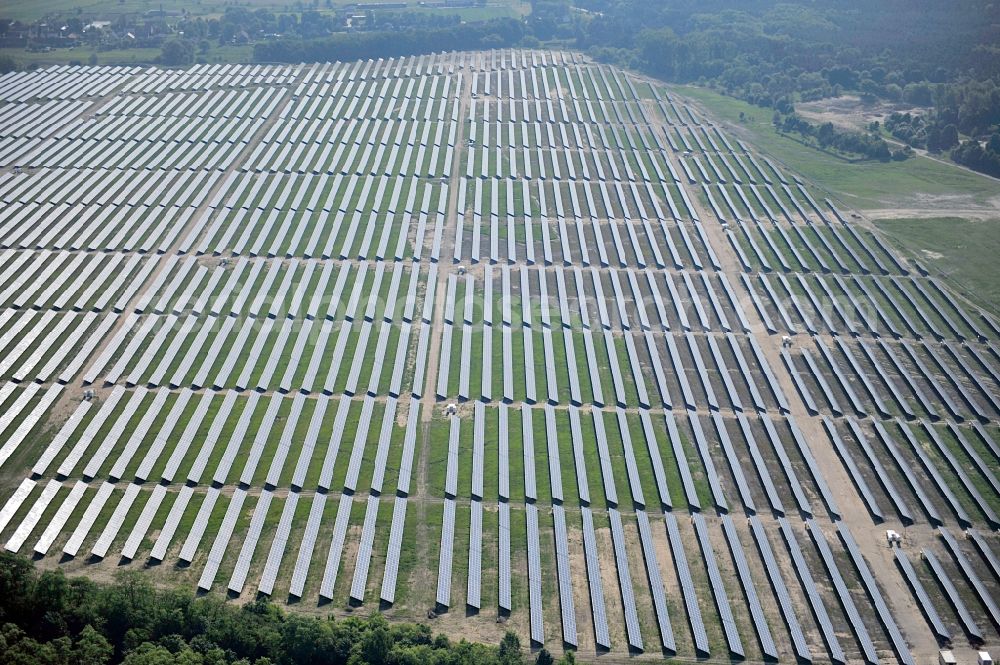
(584, 426)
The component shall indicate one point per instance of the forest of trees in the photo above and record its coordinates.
(49, 619)
(941, 57)
(769, 49)
(971, 109)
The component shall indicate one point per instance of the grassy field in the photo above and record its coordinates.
(962, 250)
(866, 185)
(135, 56)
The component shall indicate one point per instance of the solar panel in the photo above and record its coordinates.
(90, 432)
(535, 602)
(166, 535)
(90, 515)
(237, 438)
(164, 434)
(305, 550)
(914, 306)
(875, 595)
(688, 590)
(876, 303)
(597, 607)
(656, 583)
(365, 546)
(306, 451)
(487, 370)
(842, 591)
(982, 545)
(642, 394)
(139, 433)
(339, 422)
(34, 514)
(474, 584)
(973, 376)
(60, 518)
(144, 521)
(336, 547)
(941, 291)
(114, 434)
(445, 354)
(779, 396)
(973, 455)
(856, 476)
(443, 597)
(504, 562)
(718, 588)
(576, 438)
(625, 580)
(360, 439)
(478, 449)
(986, 598)
(702, 371)
(716, 303)
(278, 545)
(734, 396)
(551, 379)
(780, 590)
(812, 592)
(823, 314)
(508, 360)
(187, 436)
(529, 365)
(817, 376)
(880, 472)
(714, 482)
(384, 440)
(814, 468)
(565, 576)
(922, 369)
(200, 524)
(786, 465)
(613, 366)
(965, 618)
(956, 468)
(902, 463)
(222, 539)
(859, 408)
(61, 438)
(388, 593)
(159, 342)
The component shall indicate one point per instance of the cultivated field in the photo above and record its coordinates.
(503, 340)
(111, 9)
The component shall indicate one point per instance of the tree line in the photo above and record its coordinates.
(494, 33)
(969, 108)
(48, 618)
(868, 145)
